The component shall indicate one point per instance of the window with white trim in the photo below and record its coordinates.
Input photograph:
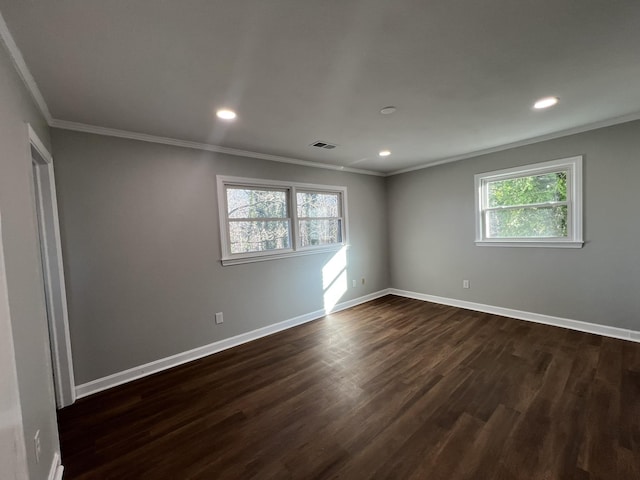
(537, 205)
(262, 220)
(257, 219)
(319, 218)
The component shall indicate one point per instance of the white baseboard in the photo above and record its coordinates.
(55, 473)
(604, 330)
(131, 374)
(135, 373)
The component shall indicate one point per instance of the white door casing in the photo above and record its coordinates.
(52, 269)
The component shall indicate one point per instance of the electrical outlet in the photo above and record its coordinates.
(36, 446)
(362, 280)
(354, 283)
(465, 284)
(219, 318)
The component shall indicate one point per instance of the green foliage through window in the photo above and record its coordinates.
(528, 206)
(549, 187)
(536, 205)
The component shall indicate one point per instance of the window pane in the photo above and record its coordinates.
(549, 187)
(537, 222)
(320, 232)
(245, 202)
(258, 236)
(314, 204)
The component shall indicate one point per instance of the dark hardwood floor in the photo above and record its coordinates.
(394, 388)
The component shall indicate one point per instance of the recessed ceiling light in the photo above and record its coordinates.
(226, 114)
(388, 110)
(545, 103)
(384, 153)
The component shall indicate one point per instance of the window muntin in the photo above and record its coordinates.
(534, 205)
(260, 219)
(319, 218)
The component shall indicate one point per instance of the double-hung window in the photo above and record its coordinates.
(262, 220)
(319, 218)
(536, 205)
(258, 219)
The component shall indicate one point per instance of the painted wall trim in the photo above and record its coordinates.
(52, 269)
(30, 83)
(604, 330)
(28, 80)
(113, 132)
(56, 471)
(23, 70)
(527, 141)
(150, 368)
(37, 144)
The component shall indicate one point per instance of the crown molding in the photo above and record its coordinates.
(25, 74)
(30, 83)
(82, 127)
(112, 132)
(23, 70)
(521, 143)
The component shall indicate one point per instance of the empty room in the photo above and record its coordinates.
(320, 240)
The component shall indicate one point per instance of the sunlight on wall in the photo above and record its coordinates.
(334, 279)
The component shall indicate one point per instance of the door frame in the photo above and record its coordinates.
(53, 270)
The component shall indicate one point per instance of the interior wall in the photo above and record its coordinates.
(23, 269)
(13, 457)
(431, 225)
(141, 245)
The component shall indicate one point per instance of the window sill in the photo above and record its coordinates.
(275, 256)
(529, 243)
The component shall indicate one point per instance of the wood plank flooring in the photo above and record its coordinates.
(391, 389)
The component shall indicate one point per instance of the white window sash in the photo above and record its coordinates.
(571, 166)
(291, 189)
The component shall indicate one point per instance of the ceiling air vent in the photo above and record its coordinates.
(325, 145)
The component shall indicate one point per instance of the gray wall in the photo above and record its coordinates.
(24, 276)
(431, 225)
(141, 243)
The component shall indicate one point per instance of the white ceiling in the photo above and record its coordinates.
(463, 74)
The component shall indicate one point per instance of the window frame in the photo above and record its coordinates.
(340, 217)
(291, 189)
(287, 219)
(573, 168)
